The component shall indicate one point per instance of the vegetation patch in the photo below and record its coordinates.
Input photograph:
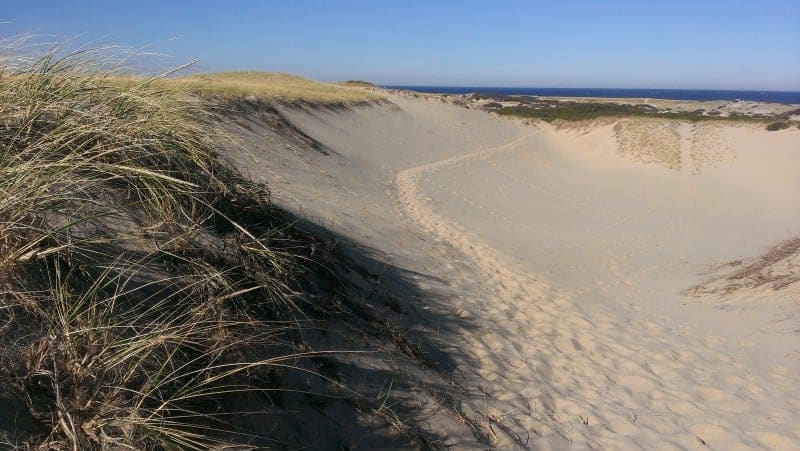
(649, 141)
(550, 110)
(575, 111)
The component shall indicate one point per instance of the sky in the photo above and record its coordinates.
(687, 44)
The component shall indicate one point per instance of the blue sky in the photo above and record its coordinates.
(659, 44)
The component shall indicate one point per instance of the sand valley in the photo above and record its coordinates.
(581, 268)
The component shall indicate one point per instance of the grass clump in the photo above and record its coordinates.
(133, 299)
(269, 88)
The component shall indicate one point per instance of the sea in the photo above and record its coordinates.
(786, 97)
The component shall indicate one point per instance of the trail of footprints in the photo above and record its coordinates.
(546, 370)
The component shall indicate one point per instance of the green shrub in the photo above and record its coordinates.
(778, 125)
(580, 111)
(576, 111)
(361, 83)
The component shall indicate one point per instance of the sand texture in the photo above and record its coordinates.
(584, 278)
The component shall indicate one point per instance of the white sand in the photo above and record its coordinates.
(567, 254)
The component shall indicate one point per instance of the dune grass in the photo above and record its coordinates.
(269, 88)
(131, 298)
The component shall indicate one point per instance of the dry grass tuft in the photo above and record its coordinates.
(777, 268)
(774, 267)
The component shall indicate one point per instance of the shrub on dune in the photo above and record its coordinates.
(778, 125)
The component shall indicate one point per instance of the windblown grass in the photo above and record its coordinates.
(270, 88)
(131, 299)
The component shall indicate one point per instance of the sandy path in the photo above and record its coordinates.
(585, 364)
(413, 202)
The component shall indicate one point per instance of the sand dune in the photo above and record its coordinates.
(568, 257)
(625, 361)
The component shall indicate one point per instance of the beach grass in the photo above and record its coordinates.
(131, 301)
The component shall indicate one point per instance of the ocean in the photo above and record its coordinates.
(791, 97)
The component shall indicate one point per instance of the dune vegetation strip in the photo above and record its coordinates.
(271, 87)
(142, 281)
(550, 110)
